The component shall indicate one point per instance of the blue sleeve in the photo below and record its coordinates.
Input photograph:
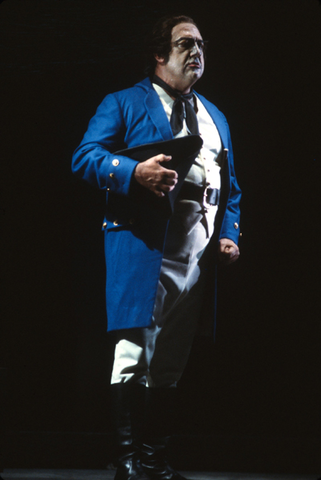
(93, 160)
(231, 220)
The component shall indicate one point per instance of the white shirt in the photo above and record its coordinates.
(205, 170)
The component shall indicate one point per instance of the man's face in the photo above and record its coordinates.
(186, 59)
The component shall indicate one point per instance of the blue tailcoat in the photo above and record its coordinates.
(135, 230)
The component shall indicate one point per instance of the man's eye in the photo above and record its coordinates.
(185, 44)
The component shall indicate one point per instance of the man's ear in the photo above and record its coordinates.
(159, 60)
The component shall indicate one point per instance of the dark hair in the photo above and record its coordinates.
(159, 40)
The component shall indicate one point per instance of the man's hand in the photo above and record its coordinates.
(228, 251)
(156, 178)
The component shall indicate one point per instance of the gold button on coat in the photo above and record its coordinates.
(112, 175)
(104, 224)
(115, 162)
(115, 222)
(236, 225)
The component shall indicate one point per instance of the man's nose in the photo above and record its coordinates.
(196, 50)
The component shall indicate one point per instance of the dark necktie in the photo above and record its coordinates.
(177, 116)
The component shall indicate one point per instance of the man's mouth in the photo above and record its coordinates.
(194, 64)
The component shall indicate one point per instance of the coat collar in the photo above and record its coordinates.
(159, 117)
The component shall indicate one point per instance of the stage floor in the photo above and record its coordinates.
(19, 474)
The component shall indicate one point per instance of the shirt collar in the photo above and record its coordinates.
(163, 95)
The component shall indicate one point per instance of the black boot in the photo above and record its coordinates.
(124, 401)
(154, 461)
(159, 424)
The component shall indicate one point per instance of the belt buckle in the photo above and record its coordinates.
(205, 195)
(208, 193)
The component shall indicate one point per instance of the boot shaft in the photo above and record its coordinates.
(128, 402)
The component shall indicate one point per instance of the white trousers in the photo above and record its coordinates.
(156, 356)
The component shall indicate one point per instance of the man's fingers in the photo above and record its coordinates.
(159, 193)
(169, 177)
(164, 188)
(167, 174)
(171, 182)
(152, 175)
(162, 158)
(228, 251)
(167, 188)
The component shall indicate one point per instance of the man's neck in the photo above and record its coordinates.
(181, 87)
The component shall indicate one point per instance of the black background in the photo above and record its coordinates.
(59, 59)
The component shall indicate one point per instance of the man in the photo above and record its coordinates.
(157, 258)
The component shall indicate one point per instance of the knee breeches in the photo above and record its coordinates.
(156, 356)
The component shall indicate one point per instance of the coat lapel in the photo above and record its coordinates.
(155, 111)
(218, 118)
